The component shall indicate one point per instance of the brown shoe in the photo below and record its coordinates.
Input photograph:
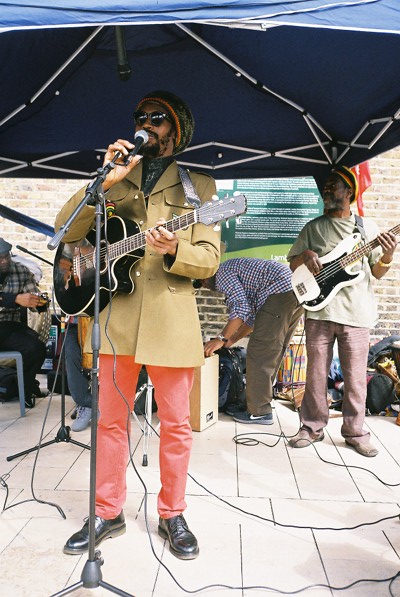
(304, 438)
(365, 448)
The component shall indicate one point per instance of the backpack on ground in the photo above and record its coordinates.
(8, 383)
(232, 376)
(380, 393)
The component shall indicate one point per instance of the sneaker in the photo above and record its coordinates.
(233, 409)
(246, 417)
(363, 448)
(83, 418)
(304, 438)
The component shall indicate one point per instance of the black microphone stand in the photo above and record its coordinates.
(63, 434)
(91, 576)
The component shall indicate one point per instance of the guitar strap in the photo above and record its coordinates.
(188, 188)
(360, 227)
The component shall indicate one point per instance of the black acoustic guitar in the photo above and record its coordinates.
(74, 264)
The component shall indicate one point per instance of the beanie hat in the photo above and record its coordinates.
(349, 179)
(5, 247)
(180, 113)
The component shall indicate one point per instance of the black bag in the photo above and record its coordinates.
(232, 376)
(52, 382)
(8, 383)
(383, 348)
(380, 393)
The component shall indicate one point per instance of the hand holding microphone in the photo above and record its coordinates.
(141, 137)
(122, 150)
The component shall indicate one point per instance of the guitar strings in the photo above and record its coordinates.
(82, 260)
(353, 257)
(336, 266)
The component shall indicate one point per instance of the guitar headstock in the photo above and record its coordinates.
(221, 209)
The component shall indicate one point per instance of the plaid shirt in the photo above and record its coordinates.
(247, 283)
(18, 280)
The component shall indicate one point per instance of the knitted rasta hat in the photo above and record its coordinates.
(180, 113)
(349, 179)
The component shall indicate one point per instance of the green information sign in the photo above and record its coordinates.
(277, 209)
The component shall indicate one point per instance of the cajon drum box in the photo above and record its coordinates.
(204, 395)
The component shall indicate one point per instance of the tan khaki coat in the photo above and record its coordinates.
(158, 322)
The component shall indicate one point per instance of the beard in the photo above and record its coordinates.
(331, 203)
(158, 145)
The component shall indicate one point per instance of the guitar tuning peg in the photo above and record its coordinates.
(215, 198)
(217, 228)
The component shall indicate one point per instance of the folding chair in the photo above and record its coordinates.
(17, 357)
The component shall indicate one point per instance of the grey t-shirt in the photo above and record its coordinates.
(353, 305)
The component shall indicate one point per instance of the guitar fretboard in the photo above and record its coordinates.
(364, 250)
(138, 241)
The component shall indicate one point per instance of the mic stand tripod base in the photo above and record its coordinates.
(91, 578)
(63, 434)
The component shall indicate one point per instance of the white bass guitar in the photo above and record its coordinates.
(315, 292)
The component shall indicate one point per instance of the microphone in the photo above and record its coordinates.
(33, 254)
(141, 137)
(124, 69)
(22, 249)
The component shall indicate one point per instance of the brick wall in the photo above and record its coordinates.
(42, 199)
(381, 202)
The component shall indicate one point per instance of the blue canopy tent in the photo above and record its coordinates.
(277, 88)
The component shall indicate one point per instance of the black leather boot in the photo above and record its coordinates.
(104, 529)
(182, 542)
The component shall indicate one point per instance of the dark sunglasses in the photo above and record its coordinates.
(156, 118)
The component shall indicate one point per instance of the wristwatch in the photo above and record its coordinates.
(222, 338)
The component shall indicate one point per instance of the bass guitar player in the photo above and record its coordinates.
(348, 314)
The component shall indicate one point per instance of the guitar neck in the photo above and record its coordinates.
(138, 241)
(365, 249)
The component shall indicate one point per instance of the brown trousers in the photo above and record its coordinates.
(274, 327)
(353, 346)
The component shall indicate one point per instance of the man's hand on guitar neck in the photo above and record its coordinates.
(309, 259)
(388, 242)
(162, 240)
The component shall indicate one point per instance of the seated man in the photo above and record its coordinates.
(78, 379)
(18, 289)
